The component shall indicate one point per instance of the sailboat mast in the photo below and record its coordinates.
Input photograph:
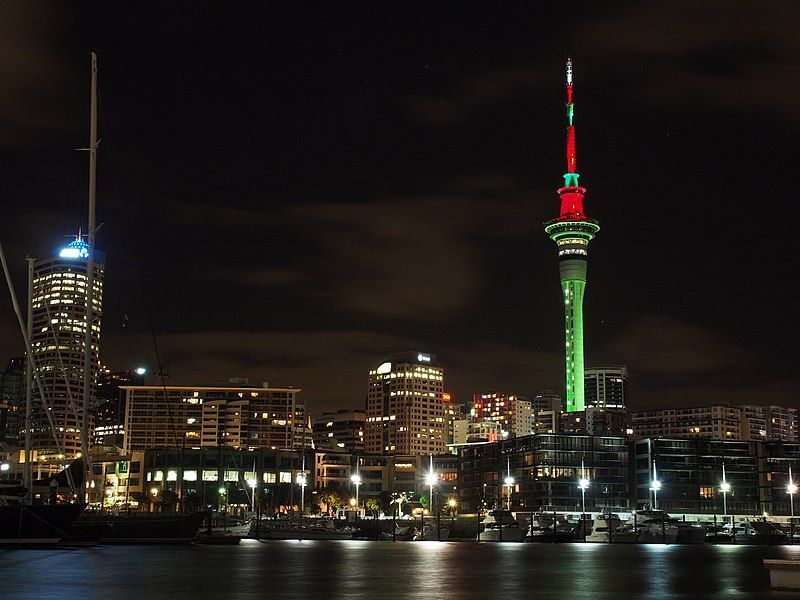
(28, 482)
(87, 359)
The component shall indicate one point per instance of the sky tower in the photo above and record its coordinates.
(572, 231)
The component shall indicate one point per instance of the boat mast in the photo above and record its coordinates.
(27, 481)
(90, 235)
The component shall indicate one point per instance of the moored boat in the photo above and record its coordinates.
(500, 526)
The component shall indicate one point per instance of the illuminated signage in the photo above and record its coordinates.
(384, 368)
(446, 396)
(424, 357)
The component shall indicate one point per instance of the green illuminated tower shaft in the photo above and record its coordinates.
(572, 231)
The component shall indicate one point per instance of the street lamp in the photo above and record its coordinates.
(724, 487)
(583, 485)
(791, 489)
(301, 481)
(509, 482)
(252, 483)
(430, 480)
(655, 486)
(356, 479)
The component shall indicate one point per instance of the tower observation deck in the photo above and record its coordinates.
(572, 231)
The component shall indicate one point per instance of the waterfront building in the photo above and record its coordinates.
(226, 477)
(572, 231)
(12, 401)
(239, 416)
(406, 412)
(690, 472)
(606, 387)
(58, 343)
(546, 469)
(393, 474)
(513, 413)
(341, 431)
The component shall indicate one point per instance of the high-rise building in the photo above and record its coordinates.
(606, 387)
(513, 413)
(340, 431)
(405, 406)
(196, 417)
(58, 345)
(109, 414)
(453, 411)
(12, 401)
(572, 231)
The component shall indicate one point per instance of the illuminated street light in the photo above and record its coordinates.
(141, 371)
(509, 482)
(791, 489)
(5, 466)
(356, 479)
(431, 479)
(724, 487)
(655, 486)
(252, 483)
(583, 485)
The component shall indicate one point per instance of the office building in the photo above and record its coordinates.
(596, 421)
(341, 431)
(109, 414)
(231, 416)
(406, 412)
(58, 344)
(12, 401)
(453, 411)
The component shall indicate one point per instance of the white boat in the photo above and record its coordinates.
(756, 531)
(608, 527)
(656, 526)
(500, 526)
(549, 527)
(321, 529)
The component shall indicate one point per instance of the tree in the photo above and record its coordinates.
(330, 499)
(372, 505)
(385, 499)
(424, 500)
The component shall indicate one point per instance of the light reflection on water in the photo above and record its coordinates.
(375, 570)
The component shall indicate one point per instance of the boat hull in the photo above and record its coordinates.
(37, 524)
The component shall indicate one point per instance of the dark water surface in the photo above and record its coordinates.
(377, 570)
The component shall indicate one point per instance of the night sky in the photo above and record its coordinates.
(302, 191)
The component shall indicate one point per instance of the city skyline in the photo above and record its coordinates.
(301, 203)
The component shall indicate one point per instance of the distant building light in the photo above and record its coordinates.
(141, 371)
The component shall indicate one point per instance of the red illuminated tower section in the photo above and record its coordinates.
(572, 231)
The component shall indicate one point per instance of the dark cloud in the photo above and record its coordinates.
(300, 195)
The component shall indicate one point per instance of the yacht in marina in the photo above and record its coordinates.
(656, 526)
(500, 526)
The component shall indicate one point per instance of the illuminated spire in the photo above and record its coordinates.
(571, 176)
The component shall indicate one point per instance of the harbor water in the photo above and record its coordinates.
(356, 569)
